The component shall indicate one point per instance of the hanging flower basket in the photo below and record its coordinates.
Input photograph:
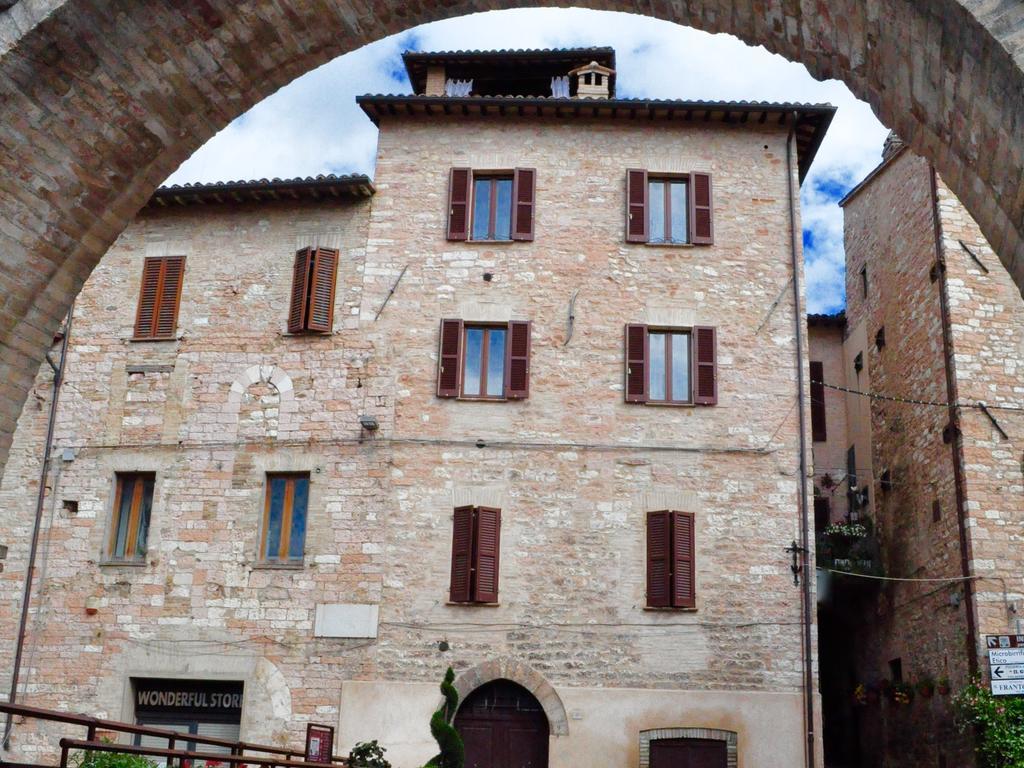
(926, 688)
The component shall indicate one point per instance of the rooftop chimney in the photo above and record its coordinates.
(592, 81)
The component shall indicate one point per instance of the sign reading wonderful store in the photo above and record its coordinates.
(188, 697)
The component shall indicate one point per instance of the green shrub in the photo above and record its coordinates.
(110, 760)
(453, 753)
(368, 754)
(998, 722)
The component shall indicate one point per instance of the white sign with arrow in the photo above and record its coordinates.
(1008, 671)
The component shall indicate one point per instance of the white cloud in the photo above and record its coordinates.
(314, 126)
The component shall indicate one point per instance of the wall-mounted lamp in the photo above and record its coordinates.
(369, 423)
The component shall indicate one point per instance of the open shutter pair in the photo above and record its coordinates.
(313, 279)
(699, 218)
(157, 314)
(476, 535)
(517, 359)
(671, 580)
(460, 195)
(703, 364)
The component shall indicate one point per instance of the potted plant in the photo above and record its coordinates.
(901, 693)
(943, 686)
(926, 687)
(860, 695)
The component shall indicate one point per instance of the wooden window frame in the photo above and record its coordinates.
(473, 586)
(819, 420)
(667, 179)
(669, 332)
(130, 554)
(287, 512)
(492, 177)
(158, 300)
(485, 348)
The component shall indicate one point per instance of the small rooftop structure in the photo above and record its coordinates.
(592, 80)
(324, 186)
(528, 72)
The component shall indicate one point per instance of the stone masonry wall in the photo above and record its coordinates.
(573, 467)
(889, 228)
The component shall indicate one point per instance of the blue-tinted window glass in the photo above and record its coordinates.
(300, 503)
(273, 538)
(496, 362)
(681, 366)
(656, 211)
(474, 355)
(503, 211)
(657, 375)
(678, 211)
(481, 208)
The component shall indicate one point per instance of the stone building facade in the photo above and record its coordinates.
(357, 625)
(932, 317)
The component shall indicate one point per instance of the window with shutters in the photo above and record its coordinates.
(284, 518)
(819, 432)
(491, 205)
(671, 572)
(668, 209)
(476, 545)
(156, 317)
(484, 361)
(671, 366)
(314, 275)
(133, 504)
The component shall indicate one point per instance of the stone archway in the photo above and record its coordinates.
(524, 675)
(98, 104)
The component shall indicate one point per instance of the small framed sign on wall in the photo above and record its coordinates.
(319, 743)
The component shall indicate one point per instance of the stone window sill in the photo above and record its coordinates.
(278, 566)
(472, 605)
(122, 563)
(669, 610)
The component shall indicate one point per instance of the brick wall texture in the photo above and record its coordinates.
(891, 228)
(573, 467)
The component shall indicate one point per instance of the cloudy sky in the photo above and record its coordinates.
(313, 125)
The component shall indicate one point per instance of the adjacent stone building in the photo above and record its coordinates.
(932, 318)
(526, 405)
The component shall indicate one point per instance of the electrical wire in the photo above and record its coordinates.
(911, 401)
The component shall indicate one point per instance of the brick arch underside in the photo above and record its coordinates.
(100, 101)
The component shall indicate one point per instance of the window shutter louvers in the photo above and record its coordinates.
(705, 365)
(488, 545)
(517, 360)
(684, 590)
(636, 206)
(636, 363)
(320, 316)
(159, 297)
(702, 228)
(462, 554)
(459, 185)
(819, 433)
(300, 288)
(658, 565)
(524, 186)
(448, 358)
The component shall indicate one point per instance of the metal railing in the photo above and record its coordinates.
(274, 757)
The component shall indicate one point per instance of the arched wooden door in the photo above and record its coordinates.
(503, 726)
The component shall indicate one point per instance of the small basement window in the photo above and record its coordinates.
(880, 338)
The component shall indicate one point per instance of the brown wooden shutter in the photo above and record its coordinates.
(300, 289)
(460, 183)
(151, 269)
(702, 231)
(659, 593)
(705, 365)
(320, 316)
(159, 297)
(636, 363)
(684, 589)
(819, 433)
(462, 554)
(524, 188)
(488, 546)
(637, 230)
(517, 360)
(449, 359)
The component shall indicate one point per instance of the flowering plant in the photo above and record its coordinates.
(902, 693)
(847, 530)
(860, 695)
(998, 722)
